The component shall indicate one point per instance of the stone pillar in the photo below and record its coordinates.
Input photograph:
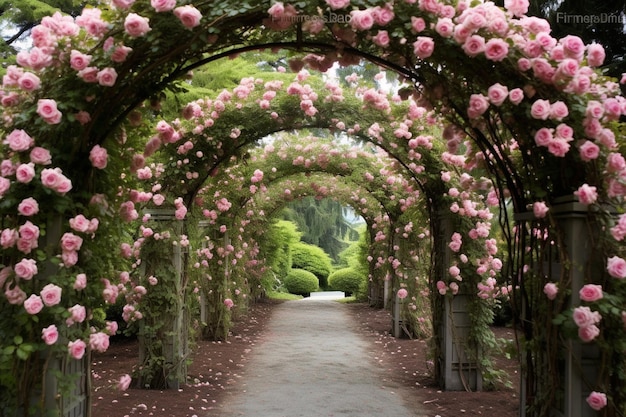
(173, 335)
(458, 369)
(579, 361)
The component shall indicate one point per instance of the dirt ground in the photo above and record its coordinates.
(218, 368)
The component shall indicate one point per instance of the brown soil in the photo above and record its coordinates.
(218, 368)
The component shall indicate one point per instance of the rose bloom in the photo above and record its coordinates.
(78, 60)
(591, 292)
(477, 106)
(497, 93)
(163, 5)
(98, 157)
(50, 334)
(361, 19)
(40, 156)
(616, 267)
(28, 207)
(76, 349)
(80, 283)
(8, 238)
(26, 269)
(496, 49)
(584, 317)
(18, 140)
(29, 82)
(124, 382)
(107, 77)
(587, 334)
(558, 110)
(51, 295)
(586, 194)
(33, 304)
(14, 295)
(25, 173)
(474, 45)
(99, 341)
(71, 242)
(550, 290)
(47, 109)
(228, 303)
(135, 25)
(540, 109)
(597, 400)
(120, 53)
(78, 314)
(188, 15)
(423, 47)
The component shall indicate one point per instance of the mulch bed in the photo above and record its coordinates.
(218, 367)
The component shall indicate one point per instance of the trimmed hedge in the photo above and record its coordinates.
(301, 282)
(347, 280)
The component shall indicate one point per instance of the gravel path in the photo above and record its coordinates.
(313, 363)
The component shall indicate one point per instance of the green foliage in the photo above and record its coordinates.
(347, 280)
(276, 246)
(313, 259)
(301, 282)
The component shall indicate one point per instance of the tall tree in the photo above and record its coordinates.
(322, 223)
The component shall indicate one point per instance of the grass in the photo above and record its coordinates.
(275, 295)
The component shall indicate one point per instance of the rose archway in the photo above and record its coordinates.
(539, 118)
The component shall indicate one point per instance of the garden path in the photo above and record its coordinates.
(313, 363)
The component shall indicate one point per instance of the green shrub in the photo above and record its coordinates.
(301, 282)
(348, 280)
(313, 259)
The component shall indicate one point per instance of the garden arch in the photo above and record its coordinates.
(525, 144)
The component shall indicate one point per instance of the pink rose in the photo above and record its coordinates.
(25, 173)
(540, 209)
(71, 242)
(80, 283)
(98, 157)
(53, 178)
(26, 269)
(33, 304)
(40, 156)
(29, 82)
(382, 38)
(477, 106)
(496, 49)
(558, 147)
(51, 295)
(99, 342)
(474, 45)
(228, 303)
(337, 4)
(361, 19)
(584, 317)
(573, 47)
(558, 110)
(444, 27)
(28, 207)
(163, 5)
(188, 15)
(50, 334)
(497, 93)
(423, 47)
(589, 151)
(78, 60)
(89, 74)
(402, 293)
(591, 292)
(5, 184)
(8, 238)
(76, 349)
(124, 382)
(111, 327)
(69, 258)
(616, 162)
(14, 295)
(587, 334)
(417, 24)
(136, 25)
(517, 8)
(586, 194)
(597, 400)
(78, 314)
(47, 109)
(29, 231)
(616, 267)
(120, 53)
(18, 140)
(540, 109)
(550, 290)
(79, 223)
(107, 77)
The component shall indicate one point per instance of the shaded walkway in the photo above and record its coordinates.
(313, 363)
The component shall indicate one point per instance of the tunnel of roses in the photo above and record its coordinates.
(529, 131)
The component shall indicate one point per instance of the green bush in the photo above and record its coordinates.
(348, 280)
(301, 282)
(313, 259)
